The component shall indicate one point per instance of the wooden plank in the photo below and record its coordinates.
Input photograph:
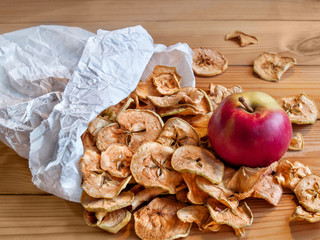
(35, 217)
(298, 39)
(15, 176)
(37, 11)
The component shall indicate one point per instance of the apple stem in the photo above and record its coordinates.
(245, 104)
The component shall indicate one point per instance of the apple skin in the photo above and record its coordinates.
(252, 139)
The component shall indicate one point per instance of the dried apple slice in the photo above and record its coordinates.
(236, 218)
(91, 204)
(102, 185)
(270, 66)
(112, 112)
(217, 191)
(218, 92)
(289, 174)
(296, 143)
(145, 89)
(116, 160)
(308, 192)
(97, 124)
(176, 132)
(195, 194)
(199, 123)
(199, 161)
(90, 162)
(114, 221)
(110, 134)
(88, 142)
(200, 215)
(301, 214)
(245, 39)
(151, 167)
(207, 62)
(158, 220)
(140, 125)
(300, 109)
(90, 218)
(146, 195)
(165, 79)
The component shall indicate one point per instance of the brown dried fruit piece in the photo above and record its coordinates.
(207, 62)
(300, 109)
(199, 161)
(176, 132)
(90, 218)
(199, 123)
(236, 218)
(151, 167)
(116, 160)
(140, 126)
(146, 195)
(145, 89)
(96, 125)
(114, 221)
(218, 191)
(270, 66)
(308, 192)
(165, 79)
(289, 174)
(158, 220)
(91, 204)
(110, 134)
(195, 194)
(301, 214)
(245, 39)
(200, 215)
(88, 142)
(218, 92)
(296, 143)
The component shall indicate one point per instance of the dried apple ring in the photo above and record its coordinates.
(270, 66)
(300, 109)
(97, 124)
(151, 167)
(200, 215)
(159, 220)
(301, 214)
(245, 39)
(166, 80)
(110, 134)
(90, 162)
(114, 221)
(207, 62)
(199, 161)
(308, 192)
(140, 126)
(116, 160)
(91, 204)
(146, 195)
(176, 132)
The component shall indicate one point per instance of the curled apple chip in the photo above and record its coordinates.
(296, 143)
(151, 167)
(91, 204)
(145, 89)
(165, 79)
(116, 160)
(207, 62)
(195, 194)
(90, 218)
(218, 92)
(270, 66)
(199, 161)
(200, 215)
(97, 124)
(89, 163)
(217, 191)
(114, 221)
(102, 185)
(110, 134)
(146, 195)
(301, 109)
(236, 218)
(176, 132)
(289, 174)
(308, 192)
(159, 220)
(301, 214)
(140, 126)
(245, 39)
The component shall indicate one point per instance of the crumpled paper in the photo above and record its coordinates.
(57, 79)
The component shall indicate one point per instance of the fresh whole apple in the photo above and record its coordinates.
(249, 129)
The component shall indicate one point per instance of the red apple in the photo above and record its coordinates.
(249, 129)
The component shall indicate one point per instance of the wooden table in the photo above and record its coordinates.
(291, 28)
